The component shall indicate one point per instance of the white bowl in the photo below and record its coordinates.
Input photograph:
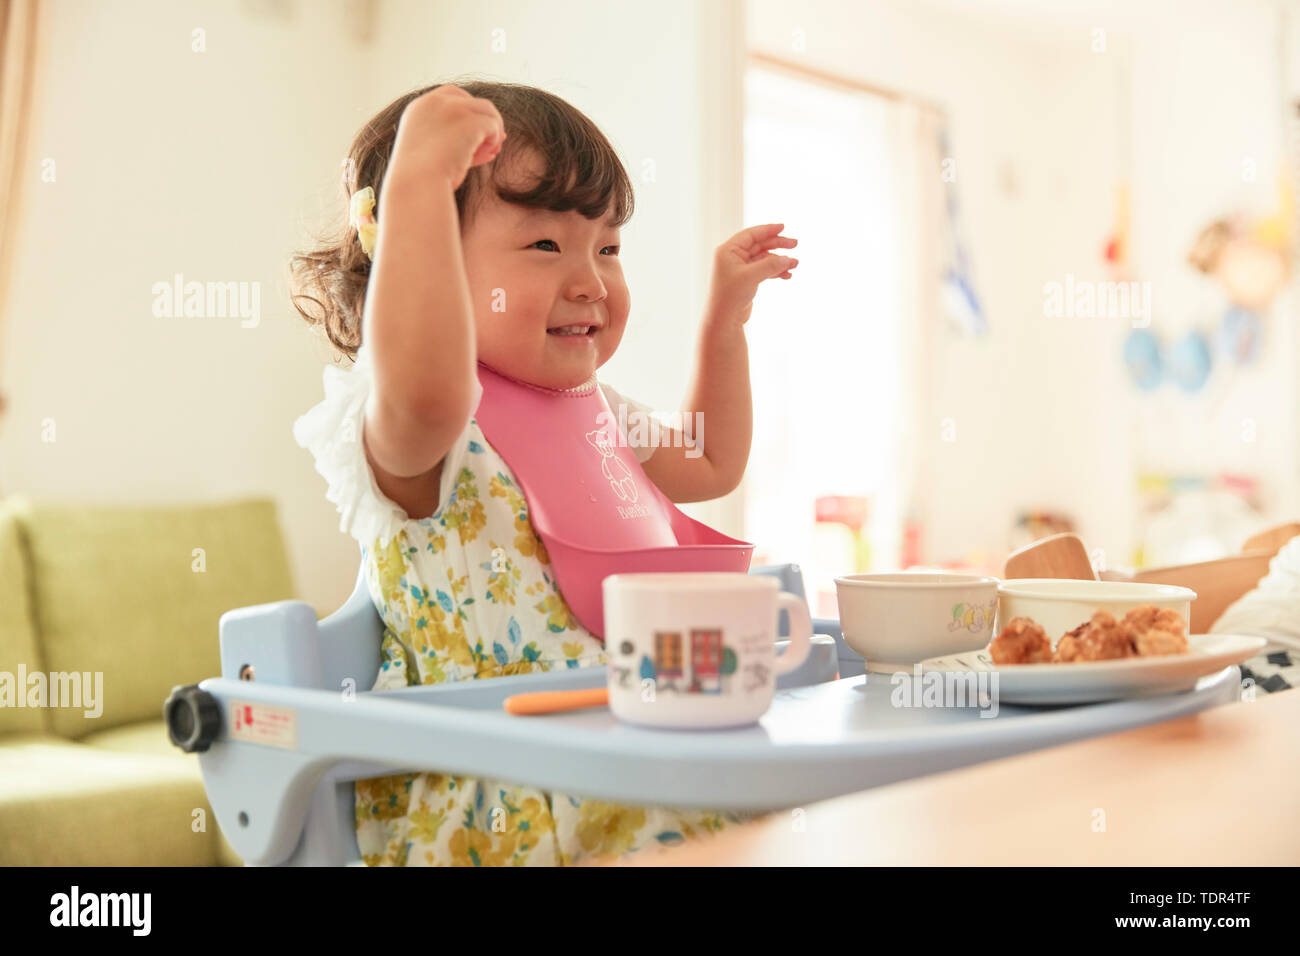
(895, 620)
(1059, 605)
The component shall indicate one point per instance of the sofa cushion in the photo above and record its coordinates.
(150, 737)
(19, 652)
(66, 804)
(129, 597)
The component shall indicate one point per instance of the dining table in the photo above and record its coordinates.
(1218, 787)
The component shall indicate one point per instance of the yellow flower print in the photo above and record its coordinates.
(608, 829)
(436, 636)
(464, 512)
(558, 616)
(458, 584)
(384, 798)
(534, 817)
(471, 848)
(425, 823)
(441, 782)
(502, 487)
(433, 672)
(505, 848)
(390, 565)
(573, 649)
(514, 667)
(503, 575)
(528, 542)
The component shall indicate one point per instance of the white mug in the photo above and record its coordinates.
(698, 649)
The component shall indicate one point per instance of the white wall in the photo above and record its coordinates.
(1208, 103)
(172, 161)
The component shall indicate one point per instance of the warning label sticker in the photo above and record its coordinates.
(263, 724)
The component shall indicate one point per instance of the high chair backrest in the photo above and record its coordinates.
(351, 637)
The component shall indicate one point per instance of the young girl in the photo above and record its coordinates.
(495, 240)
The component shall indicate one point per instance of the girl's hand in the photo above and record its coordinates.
(740, 264)
(445, 132)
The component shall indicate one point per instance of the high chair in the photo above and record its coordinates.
(280, 806)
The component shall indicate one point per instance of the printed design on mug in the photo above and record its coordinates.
(707, 670)
(617, 473)
(973, 617)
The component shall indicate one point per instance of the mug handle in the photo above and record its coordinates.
(800, 632)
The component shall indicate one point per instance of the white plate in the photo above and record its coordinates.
(1085, 683)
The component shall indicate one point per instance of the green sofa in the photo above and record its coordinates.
(115, 605)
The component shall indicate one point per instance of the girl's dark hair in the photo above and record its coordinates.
(581, 171)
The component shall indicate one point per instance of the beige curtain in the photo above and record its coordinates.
(914, 129)
(18, 54)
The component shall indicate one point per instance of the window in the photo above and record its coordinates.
(831, 350)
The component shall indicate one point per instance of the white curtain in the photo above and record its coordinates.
(18, 54)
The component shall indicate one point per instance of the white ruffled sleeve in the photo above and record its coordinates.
(1271, 609)
(642, 452)
(332, 432)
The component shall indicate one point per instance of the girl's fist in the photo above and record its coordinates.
(445, 132)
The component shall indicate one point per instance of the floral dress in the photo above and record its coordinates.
(468, 593)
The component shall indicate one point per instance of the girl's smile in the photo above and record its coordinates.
(575, 334)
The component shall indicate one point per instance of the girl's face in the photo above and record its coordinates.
(531, 271)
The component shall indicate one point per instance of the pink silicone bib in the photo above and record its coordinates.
(588, 498)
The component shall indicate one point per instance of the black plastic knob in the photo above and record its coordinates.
(193, 718)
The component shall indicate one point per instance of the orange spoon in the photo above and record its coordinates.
(552, 701)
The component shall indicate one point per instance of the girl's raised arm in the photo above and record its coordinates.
(418, 320)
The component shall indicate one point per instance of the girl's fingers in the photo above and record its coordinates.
(751, 238)
(770, 266)
(759, 250)
(770, 242)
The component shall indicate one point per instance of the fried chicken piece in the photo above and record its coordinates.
(1156, 630)
(1021, 642)
(1100, 639)
(1067, 648)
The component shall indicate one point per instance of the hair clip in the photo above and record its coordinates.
(362, 217)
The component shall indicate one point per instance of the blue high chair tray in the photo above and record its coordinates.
(281, 785)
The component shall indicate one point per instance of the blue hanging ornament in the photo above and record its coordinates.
(1189, 361)
(1142, 357)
